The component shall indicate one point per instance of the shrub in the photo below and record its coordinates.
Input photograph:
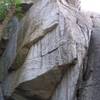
(5, 5)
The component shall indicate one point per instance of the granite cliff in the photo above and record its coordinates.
(52, 53)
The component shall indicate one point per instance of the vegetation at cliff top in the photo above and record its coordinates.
(5, 6)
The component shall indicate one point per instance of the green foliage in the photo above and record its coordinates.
(19, 13)
(3, 11)
(17, 2)
(5, 6)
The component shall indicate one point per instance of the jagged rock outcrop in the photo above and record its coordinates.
(90, 87)
(45, 55)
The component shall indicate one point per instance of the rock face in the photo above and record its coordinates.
(91, 86)
(46, 56)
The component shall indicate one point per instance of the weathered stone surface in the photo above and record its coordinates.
(17, 97)
(7, 58)
(1, 94)
(67, 89)
(44, 57)
(91, 87)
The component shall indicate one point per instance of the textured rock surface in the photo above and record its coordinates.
(1, 94)
(7, 58)
(46, 53)
(91, 87)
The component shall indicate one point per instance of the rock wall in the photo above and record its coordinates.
(90, 86)
(46, 53)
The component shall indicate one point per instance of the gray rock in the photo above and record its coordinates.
(10, 51)
(1, 93)
(45, 55)
(91, 88)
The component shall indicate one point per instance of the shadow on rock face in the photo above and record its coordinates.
(3, 44)
(35, 97)
(25, 7)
